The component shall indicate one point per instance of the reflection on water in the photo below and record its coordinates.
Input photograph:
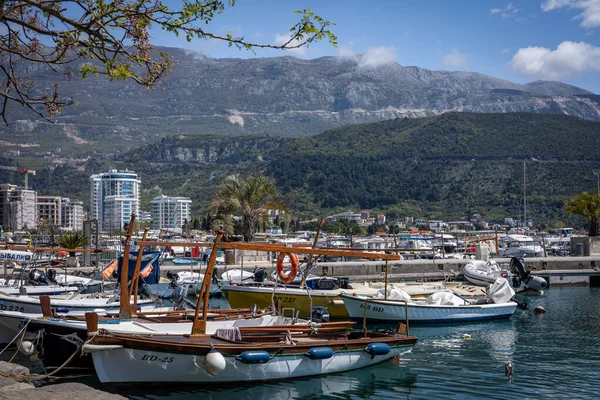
(555, 355)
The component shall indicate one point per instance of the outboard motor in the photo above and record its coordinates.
(320, 314)
(179, 297)
(37, 277)
(260, 275)
(173, 277)
(51, 275)
(517, 266)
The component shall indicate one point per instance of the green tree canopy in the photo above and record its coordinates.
(250, 198)
(109, 38)
(587, 205)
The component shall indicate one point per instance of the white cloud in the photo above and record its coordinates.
(549, 5)
(280, 40)
(456, 59)
(373, 57)
(506, 12)
(377, 56)
(590, 10)
(568, 58)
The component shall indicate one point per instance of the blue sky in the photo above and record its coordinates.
(519, 40)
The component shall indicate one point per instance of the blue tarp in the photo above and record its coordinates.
(147, 259)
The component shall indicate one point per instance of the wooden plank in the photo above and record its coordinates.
(275, 248)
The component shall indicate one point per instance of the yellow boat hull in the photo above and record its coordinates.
(241, 297)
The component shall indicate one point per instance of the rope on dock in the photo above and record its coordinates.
(63, 365)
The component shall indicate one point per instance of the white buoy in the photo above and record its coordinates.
(214, 362)
(26, 348)
(466, 336)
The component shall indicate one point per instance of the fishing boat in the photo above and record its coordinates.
(440, 307)
(232, 355)
(483, 273)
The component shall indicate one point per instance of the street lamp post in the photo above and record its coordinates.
(597, 175)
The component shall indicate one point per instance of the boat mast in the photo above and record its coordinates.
(125, 301)
(199, 327)
(524, 196)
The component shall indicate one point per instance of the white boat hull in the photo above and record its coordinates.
(49, 290)
(29, 304)
(132, 365)
(393, 311)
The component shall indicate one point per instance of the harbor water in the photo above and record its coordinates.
(556, 355)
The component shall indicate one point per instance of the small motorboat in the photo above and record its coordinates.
(483, 273)
(440, 307)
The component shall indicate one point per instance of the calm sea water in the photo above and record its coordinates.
(556, 355)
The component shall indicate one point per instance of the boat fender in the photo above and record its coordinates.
(377, 349)
(254, 357)
(214, 363)
(537, 283)
(539, 310)
(319, 353)
(62, 310)
(26, 348)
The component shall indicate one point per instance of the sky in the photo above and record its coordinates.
(519, 40)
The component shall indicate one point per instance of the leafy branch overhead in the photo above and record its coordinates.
(109, 38)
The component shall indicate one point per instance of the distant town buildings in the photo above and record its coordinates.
(114, 195)
(348, 215)
(18, 207)
(170, 213)
(49, 210)
(71, 214)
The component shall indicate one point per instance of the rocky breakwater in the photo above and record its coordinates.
(16, 383)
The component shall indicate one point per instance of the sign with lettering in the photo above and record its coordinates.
(15, 255)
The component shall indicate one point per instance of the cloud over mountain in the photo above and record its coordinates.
(568, 58)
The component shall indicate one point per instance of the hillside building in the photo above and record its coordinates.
(170, 213)
(18, 208)
(114, 195)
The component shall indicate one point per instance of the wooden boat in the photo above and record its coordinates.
(234, 355)
(208, 359)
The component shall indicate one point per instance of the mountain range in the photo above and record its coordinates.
(282, 97)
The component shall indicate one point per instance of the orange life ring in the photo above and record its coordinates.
(289, 278)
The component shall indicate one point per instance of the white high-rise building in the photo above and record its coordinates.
(18, 208)
(71, 214)
(170, 213)
(114, 196)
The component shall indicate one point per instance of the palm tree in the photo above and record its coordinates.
(72, 241)
(587, 205)
(249, 198)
